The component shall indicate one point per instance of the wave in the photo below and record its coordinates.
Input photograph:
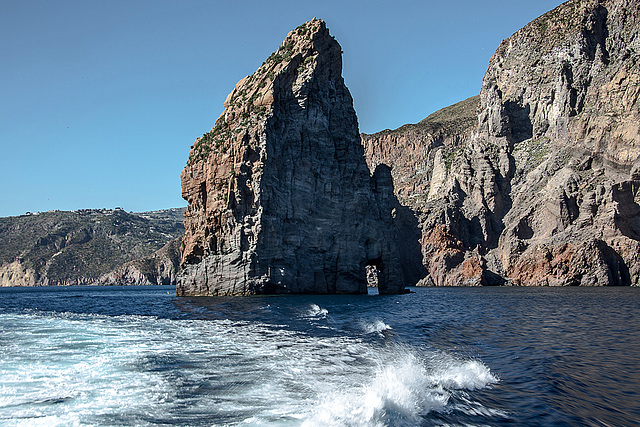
(403, 389)
(316, 311)
(375, 326)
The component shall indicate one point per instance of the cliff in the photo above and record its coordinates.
(280, 197)
(159, 268)
(89, 247)
(411, 149)
(420, 157)
(543, 188)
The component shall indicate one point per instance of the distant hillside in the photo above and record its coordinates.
(454, 119)
(88, 246)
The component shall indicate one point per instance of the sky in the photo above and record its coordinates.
(100, 101)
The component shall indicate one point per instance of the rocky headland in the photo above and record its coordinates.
(541, 189)
(533, 182)
(280, 196)
(91, 247)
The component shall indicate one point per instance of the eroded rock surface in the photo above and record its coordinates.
(544, 188)
(280, 196)
(159, 268)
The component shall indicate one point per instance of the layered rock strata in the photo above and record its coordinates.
(420, 157)
(544, 190)
(280, 196)
(561, 96)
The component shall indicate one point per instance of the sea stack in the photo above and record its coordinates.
(280, 196)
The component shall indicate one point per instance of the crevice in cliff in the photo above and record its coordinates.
(518, 121)
(597, 35)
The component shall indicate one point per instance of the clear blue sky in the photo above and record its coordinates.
(101, 100)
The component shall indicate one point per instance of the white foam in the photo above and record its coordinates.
(99, 370)
(403, 388)
(76, 369)
(469, 375)
(316, 311)
(375, 326)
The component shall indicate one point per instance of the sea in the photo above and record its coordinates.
(489, 356)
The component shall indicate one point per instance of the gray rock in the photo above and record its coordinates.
(280, 197)
(545, 190)
(160, 268)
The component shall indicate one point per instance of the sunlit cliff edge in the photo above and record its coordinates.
(541, 189)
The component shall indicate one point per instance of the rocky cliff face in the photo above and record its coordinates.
(280, 197)
(544, 191)
(420, 157)
(159, 268)
(410, 151)
(569, 118)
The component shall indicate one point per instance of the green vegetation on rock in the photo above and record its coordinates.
(449, 120)
(530, 153)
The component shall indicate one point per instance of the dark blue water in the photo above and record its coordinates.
(439, 356)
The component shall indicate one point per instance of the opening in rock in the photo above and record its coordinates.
(373, 274)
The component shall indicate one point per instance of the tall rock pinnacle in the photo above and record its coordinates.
(280, 197)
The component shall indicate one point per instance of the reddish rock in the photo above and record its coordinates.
(544, 190)
(280, 197)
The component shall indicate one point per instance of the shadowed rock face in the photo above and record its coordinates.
(545, 188)
(280, 196)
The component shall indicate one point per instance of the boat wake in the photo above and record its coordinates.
(61, 369)
(404, 386)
